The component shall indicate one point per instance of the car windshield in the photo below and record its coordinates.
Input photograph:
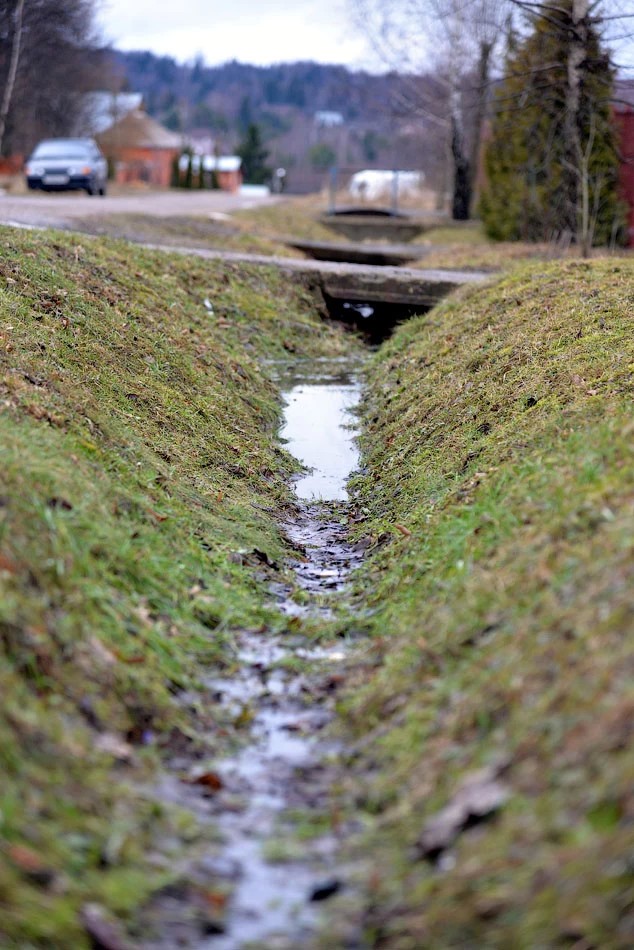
(61, 150)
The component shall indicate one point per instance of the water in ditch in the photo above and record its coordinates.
(288, 765)
(275, 902)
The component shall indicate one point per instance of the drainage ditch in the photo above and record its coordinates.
(286, 688)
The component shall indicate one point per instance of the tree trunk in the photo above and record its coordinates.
(13, 69)
(484, 59)
(576, 56)
(461, 205)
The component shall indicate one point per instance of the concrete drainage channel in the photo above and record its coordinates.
(288, 765)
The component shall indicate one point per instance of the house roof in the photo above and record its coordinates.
(103, 109)
(138, 130)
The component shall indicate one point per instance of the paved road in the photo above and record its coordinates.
(59, 210)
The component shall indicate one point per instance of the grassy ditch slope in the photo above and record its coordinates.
(140, 471)
(495, 722)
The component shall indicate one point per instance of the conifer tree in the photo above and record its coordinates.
(544, 179)
(254, 155)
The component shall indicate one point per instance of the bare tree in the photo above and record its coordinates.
(14, 59)
(49, 57)
(453, 43)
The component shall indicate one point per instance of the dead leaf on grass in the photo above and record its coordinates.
(115, 746)
(478, 797)
(210, 781)
(30, 864)
(156, 515)
(403, 530)
(7, 565)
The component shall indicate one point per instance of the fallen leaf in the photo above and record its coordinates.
(156, 515)
(7, 565)
(479, 795)
(113, 745)
(403, 530)
(209, 780)
(30, 863)
(216, 899)
(57, 502)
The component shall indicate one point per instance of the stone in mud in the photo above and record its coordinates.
(104, 933)
(219, 867)
(325, 889)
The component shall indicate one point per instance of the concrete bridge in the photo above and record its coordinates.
(357, 283)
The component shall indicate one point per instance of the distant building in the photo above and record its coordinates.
(228, 169)
(624, 113)
(328, 120)
(373, 183)
(140, 149)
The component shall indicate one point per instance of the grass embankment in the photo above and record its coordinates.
(499, 444)
(140, 470)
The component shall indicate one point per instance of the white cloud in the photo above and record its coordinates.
(251, 31)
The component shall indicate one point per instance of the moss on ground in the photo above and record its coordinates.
(499, 495)
(139, 454)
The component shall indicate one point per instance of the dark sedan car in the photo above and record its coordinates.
(67, 165)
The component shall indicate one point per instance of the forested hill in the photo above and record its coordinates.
(365, 124)
(223, 94)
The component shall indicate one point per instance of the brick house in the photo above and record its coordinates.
(140, 149)
(228, 169)
(624, 114)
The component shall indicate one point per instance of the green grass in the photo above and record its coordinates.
(289, 217)
(498, 432)
(186, 231)
(493, 618)
(140, 453)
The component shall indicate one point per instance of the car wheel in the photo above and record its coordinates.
(103, 190)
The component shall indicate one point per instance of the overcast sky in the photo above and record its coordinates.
(252, 31)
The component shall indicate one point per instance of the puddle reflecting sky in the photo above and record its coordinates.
(318, 432)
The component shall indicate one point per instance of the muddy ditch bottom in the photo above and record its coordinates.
(264, 884)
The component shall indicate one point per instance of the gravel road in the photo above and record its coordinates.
(59, 210)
